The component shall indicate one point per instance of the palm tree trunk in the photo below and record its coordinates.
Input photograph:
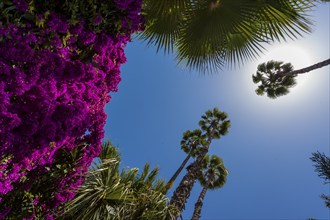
(307, 69)
(199, 203)
(182, 192)
(176, 174)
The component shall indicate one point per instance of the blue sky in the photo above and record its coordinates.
(268, 146)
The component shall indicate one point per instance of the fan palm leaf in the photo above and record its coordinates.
(206, 34)
(110, 194)
(213, 172)
(272, 83)
(163, 22)
(101, 194)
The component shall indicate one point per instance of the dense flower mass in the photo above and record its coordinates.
(56, 72)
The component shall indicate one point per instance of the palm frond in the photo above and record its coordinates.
(213, 173)
(163, 22)
(110, 194)
(109, 151)
(272, 79)
(207, 34)
(280, 19)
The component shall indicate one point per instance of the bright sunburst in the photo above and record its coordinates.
(296, 55)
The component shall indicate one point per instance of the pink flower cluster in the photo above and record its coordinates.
(54, 84)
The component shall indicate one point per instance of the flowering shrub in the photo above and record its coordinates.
(59, 61)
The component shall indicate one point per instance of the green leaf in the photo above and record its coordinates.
(260, 91)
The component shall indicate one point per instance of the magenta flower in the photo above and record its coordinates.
(53, 96)
(56, 41)
(35, 201)
(97, 20)
(21, 5)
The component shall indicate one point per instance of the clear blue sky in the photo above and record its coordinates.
(270, 142)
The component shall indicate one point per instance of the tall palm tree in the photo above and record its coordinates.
(214, 124)
(110, 194)
(190, 144)
(103, 189)
(276, 77)
(213, 176)
(206, 34)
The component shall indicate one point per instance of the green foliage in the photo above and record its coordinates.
(322, 167)
(163, 22)
(88, 9)
(206, 34)
(213, 125)
(40, 184)
(274, 79)
(110, 194)
(191, 142)
(72, 10)
(213, 172)
(212, 175)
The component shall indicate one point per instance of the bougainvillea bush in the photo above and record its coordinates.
(58, 62)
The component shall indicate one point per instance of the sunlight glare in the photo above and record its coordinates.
(295, 55)
(299, 57)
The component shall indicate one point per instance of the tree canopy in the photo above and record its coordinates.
(207, 34)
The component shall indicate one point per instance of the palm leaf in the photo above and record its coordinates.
(207, 34)
(213, 172)
(271, 80)
(163, 22)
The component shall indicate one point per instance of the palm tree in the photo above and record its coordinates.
(276, 78)
(206, 34)
(110, 194)
(214, 124)
(150, 201)
(190, 144)
(102, 191)
(213, 176)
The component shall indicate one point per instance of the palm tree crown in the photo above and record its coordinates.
(276, 78)
(213, 173)
(212, 176)
(206, 34)
(268, 75)
(191, 144)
